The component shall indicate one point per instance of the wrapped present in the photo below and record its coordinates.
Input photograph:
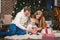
(34, 31)
(48, 37)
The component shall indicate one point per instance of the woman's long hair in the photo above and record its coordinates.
(41, 19)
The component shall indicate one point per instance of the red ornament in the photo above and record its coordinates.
(33, 31)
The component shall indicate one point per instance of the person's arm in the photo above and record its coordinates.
(29, 28)
(20, 26)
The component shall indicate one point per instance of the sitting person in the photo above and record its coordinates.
(17, 25)
(40, 19)
(32, 26)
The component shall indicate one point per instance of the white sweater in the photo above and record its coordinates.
(20, 20)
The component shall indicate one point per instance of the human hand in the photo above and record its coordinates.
(38, 29)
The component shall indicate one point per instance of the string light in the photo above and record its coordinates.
(23, 2)
(39, 1)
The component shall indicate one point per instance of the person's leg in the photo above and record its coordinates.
(20, 31)
(12, 30)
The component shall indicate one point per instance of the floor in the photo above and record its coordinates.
(28, 37)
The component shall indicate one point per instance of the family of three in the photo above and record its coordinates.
(23, 23)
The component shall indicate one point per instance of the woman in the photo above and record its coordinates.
(40, 19)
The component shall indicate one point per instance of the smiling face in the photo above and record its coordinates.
(38, 14)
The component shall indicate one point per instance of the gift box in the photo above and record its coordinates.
(34, 31)
(48, 37)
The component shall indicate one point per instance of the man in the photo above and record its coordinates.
(18, 24)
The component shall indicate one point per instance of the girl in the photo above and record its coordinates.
(40, 19)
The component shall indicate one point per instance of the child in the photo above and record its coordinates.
(32, 27)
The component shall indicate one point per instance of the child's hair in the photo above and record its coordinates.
(32, 18)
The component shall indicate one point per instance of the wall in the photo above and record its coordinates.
(7, 6)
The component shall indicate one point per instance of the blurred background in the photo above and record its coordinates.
(50, 8)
